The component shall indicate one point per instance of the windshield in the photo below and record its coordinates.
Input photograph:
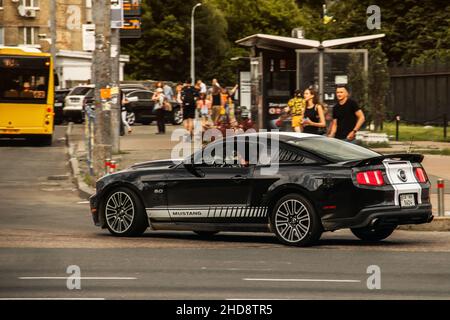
(24, 79)
(333, 149)
(79, 91)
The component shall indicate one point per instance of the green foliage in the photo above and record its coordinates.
(416, 31)
(357, 79)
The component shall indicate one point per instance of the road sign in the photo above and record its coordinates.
(116, 14)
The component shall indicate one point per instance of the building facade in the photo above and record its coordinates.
(27, 23)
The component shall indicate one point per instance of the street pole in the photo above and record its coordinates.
(192, 43)
(101, 76)
(53, 31)
(116, 103)
(193, 55)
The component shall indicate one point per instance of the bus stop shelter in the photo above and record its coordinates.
(279, 65)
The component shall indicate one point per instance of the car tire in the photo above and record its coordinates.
(206, 234)
(373, 233)
(177, 116)
(295, 222)
(124, 213)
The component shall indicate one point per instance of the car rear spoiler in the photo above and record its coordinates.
(412, 157)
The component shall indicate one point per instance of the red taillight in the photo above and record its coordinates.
(49, 110)
(421, 175)
(370, 178)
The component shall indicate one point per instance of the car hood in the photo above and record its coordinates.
(156, 164)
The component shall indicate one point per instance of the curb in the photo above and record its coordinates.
(84, 190)
(438, 224)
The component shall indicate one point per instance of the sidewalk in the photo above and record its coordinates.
(144, 145)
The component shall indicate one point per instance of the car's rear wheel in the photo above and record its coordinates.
(206, 234)
(124, 213)
(295, 222)
(373, 233)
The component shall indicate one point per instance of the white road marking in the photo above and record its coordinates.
(301, 280)
(82, 202)
(4, 299)
(236, 269)
(77, 278)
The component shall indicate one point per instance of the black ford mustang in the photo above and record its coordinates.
(294, 185)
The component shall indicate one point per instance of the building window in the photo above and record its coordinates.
(29, 35)
(2, 34)
(1, 4)
(30, 3)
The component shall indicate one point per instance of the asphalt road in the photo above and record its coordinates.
(45, 228)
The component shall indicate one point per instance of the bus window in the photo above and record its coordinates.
(24, 79)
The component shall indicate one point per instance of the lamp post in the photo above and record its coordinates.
(192, 43)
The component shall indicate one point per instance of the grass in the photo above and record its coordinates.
(416, 133)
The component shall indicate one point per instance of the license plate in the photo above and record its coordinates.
(407, 200)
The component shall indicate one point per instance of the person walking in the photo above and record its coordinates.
(296, 107)
(347, 116)
(189, 95)
(158, 108)
(124, 105)
(313, 118)
(216, 101)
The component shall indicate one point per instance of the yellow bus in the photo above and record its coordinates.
(26, 94)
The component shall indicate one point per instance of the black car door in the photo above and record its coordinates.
(220, 191)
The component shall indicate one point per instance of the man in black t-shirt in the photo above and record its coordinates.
(189, 97)
(347, 116)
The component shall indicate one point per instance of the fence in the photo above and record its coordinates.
(420, 94)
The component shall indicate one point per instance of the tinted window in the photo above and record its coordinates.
(333, 149)
(79, 91)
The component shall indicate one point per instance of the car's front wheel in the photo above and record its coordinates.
(295, 222)
(124, 213)
(373, 233)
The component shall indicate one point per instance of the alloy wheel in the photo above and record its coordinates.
(292, 220)
(119, 212)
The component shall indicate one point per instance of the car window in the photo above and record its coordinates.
(79, 91)
(333, 149)
(225, 153)
(145, 95)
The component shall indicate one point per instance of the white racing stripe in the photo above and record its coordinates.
(402, 187)
(219, 211)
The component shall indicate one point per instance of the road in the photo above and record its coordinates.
(45, 228)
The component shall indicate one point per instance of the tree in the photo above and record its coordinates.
(357, 79)
(378, 84)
